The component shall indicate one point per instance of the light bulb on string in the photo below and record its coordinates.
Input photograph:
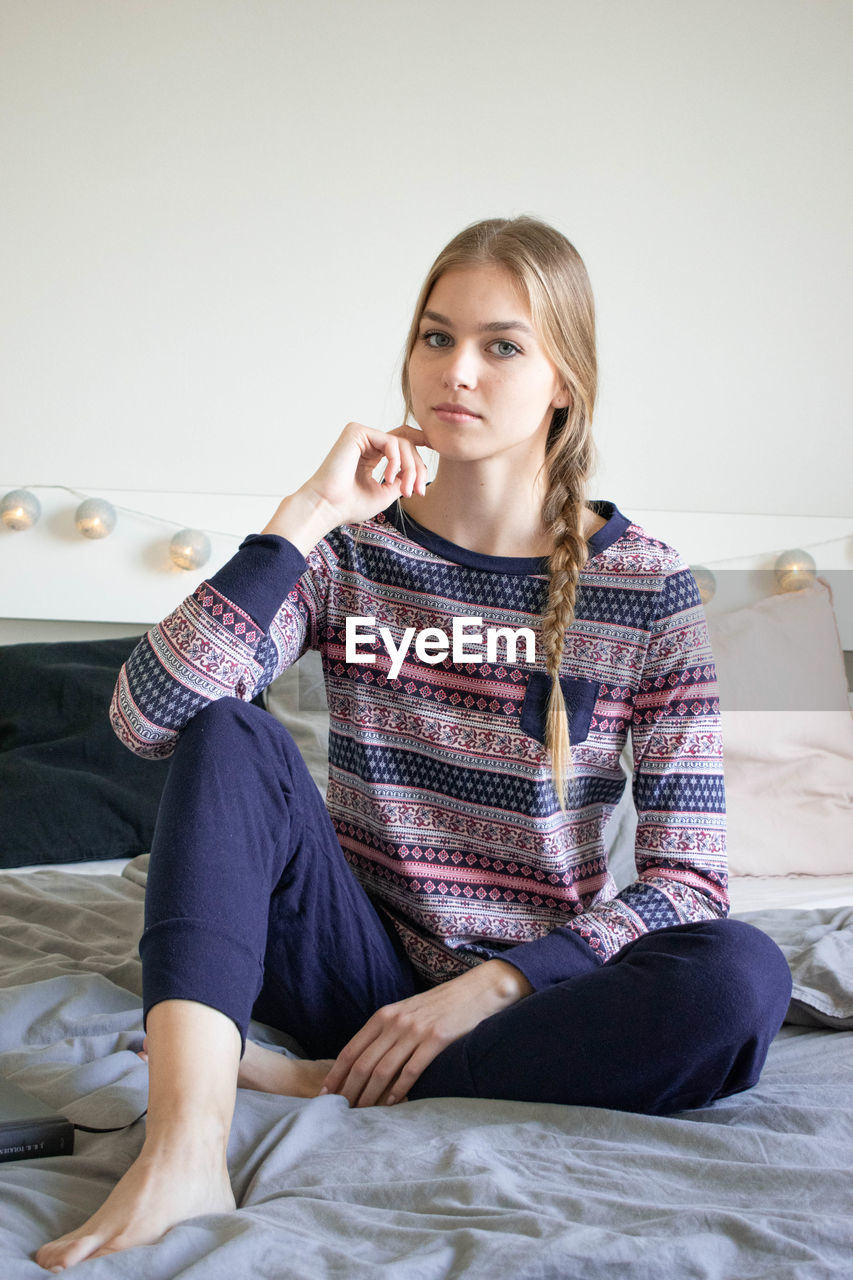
(190, 549)
(20, 509)
(95, 518)
(795, 570)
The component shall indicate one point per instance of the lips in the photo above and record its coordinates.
(459, 410)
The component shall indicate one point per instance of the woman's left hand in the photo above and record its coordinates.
(396, 1045)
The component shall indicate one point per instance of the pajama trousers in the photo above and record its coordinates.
(252, 908)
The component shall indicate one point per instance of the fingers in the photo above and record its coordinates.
(346, 481)
(370, 1084)
(413, 434)
(381, 1071)
(367, 1068)
(389, 448)
(368, 1079)
(391, 451)
(338, 1076)
(413, 1070)
(411, 471)
(392, 1075)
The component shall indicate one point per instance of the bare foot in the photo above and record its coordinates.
(164, 1186)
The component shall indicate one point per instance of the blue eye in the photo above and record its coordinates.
(441, 346)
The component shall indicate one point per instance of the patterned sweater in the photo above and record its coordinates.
(440, 788)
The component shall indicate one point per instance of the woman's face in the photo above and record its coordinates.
(476, 348)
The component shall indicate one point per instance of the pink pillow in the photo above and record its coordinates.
(787, 736)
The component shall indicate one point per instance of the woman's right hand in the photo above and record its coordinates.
(344, 479)
(342, 490)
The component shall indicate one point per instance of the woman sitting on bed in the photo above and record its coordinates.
(445, 924)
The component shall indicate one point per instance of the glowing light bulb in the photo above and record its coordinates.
(95, 518)
(794, 570)
(190, 549)
(20, 509)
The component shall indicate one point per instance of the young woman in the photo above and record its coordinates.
(445, 925)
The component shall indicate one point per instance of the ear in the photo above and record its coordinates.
(562, 399)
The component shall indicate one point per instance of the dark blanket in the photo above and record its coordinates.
(69, 791)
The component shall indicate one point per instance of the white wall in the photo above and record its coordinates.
(217, 213)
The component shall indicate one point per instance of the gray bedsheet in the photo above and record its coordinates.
(758, 1185)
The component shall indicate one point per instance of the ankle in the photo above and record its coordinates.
(197, 1139)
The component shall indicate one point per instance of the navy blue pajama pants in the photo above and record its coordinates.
(252, 908)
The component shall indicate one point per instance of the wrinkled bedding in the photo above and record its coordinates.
(756, 1185)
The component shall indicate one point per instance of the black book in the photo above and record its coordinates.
(29, 1129)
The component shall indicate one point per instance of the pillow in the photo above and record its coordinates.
(787, 736)
(298, 699)
(620, 834)
(69, 790)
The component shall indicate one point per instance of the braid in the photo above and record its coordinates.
(563, 514)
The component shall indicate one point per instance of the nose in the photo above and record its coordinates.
(460, 368)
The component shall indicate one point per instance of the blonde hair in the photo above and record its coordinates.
(551, 273)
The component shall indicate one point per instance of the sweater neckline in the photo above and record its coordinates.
(613, 529)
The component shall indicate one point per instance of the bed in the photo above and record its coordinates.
(756, 1185)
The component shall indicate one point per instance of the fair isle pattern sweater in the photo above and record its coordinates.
(440, 788)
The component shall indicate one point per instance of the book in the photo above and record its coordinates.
(29, 1129)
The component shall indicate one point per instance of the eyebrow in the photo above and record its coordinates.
(494, 326)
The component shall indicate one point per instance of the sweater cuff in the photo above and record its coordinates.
(554, 958)
(260, 576)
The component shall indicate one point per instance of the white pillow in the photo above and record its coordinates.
(789, 772)
(787, 736)
(298, 699)
(620, 834)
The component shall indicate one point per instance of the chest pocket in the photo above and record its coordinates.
(580, 696)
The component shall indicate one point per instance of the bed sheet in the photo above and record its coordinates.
(105, 866)
(757, 1184)
(755, 893)
(748, 893)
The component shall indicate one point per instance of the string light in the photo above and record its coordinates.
(95, 518)
(131, 511)
(190, 549)
(20, 509)
(795, 570)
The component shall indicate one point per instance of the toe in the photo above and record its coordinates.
(66, 1252)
